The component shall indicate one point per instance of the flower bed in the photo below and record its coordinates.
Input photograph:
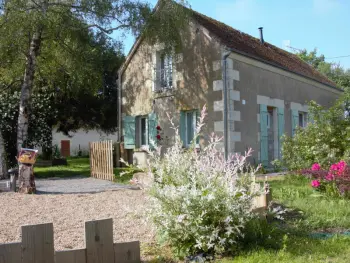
(334, 181)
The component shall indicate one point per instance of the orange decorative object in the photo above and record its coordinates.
(27, 156)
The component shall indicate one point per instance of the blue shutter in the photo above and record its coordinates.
(295, 121)
(152, 130)
(264, 155)
(129, 132)
(280, 112)
(183, 127)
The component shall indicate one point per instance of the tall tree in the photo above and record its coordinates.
(32, 27)
(333, 71)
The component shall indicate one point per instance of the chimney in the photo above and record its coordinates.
(261, 35)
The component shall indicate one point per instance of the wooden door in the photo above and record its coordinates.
(65, 148)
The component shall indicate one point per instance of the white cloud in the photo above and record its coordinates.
(325, 6)
(237, 10)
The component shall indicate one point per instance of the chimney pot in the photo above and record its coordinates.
(261, 35)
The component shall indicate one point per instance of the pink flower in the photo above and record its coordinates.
(329, 177)
(338, 168)
(159, 137)
(159, 128)
(315, 167)
(315, 183)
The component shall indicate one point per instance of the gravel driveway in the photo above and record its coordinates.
(69, 211)
(76, 185)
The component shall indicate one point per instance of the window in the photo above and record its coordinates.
(166, 71)
(302, 119)
(268, 120)
(141, 131)
(188, 126)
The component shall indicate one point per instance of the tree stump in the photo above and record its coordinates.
(26, 179)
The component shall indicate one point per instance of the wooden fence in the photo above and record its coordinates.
(37, 246)
(101, 160)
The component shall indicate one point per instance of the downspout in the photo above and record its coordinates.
(120, 105)
(224, 77)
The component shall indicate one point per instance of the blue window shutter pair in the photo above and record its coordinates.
(129, 131)
(295, 121)
(264, 156)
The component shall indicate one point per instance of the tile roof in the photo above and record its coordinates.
(251, 46)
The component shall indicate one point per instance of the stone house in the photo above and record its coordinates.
(254, 91)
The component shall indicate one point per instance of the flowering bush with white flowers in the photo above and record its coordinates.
(40, 121)
(200, 201)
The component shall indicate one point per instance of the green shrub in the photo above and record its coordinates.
(201, 202)
(325, 140)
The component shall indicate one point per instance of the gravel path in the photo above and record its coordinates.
(68, 212)
(75, 185)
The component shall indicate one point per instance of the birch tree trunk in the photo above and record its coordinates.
(3, 164)
(26, 90)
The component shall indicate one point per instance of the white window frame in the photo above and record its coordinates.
(139, 131)
(194, 126)
(157, 58)
(304, 119)
(166, 71)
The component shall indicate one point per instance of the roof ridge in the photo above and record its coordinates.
(251, 45)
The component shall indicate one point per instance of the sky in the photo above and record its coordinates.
(321, 24)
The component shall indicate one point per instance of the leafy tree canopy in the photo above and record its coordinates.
(62, 50)
(334, 72)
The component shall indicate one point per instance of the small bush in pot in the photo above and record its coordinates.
(57, 159)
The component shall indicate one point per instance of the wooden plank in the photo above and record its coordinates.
(99, 160)
(99, 241)
(10, 253)
(127, 252)
(96, 158)
(103, 160)
(38, 244)
(71, 256)
(90, 156)
(111, 161)
(107, 161)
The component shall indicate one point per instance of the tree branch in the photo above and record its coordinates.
(108, 30)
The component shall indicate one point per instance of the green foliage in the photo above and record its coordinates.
(201, 202)
(333, 71)
(40, 133)
(324, 141)
(77, 61)
(124, 175)
(291, 241)
(75, 167)
(319, 211)
(299, 250)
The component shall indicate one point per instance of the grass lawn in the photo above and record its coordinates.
(75, 167)
(79, 167)
(318, 214)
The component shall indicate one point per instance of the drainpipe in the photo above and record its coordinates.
(224, 77)
(119, 105)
